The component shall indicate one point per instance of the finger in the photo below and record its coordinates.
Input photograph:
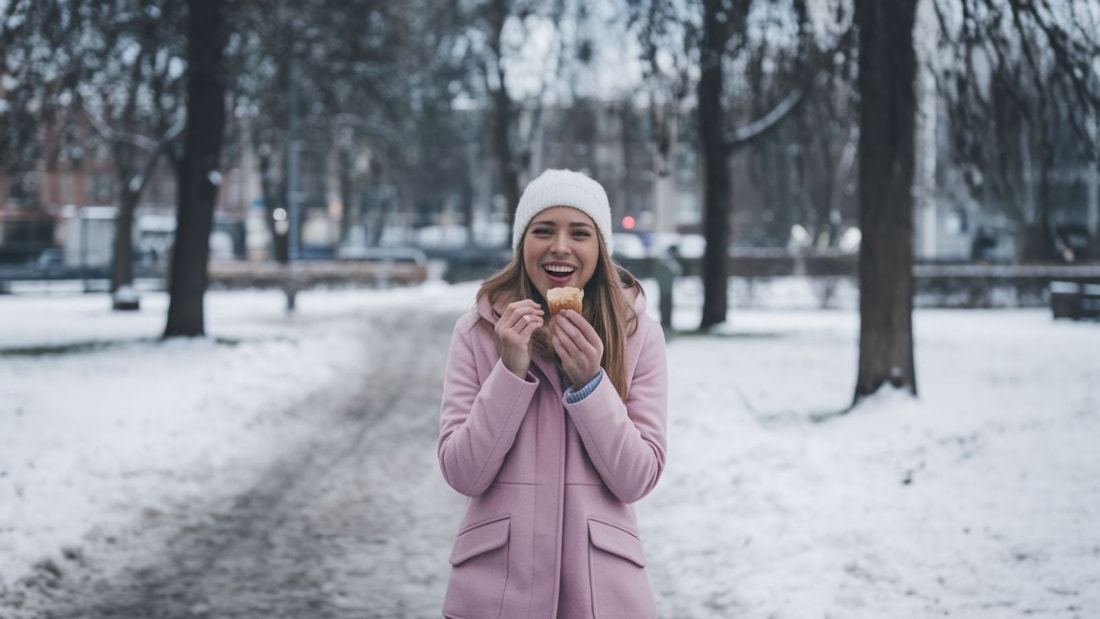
(575, 364)
(569, 328)
(560, 350)
(506, 318)
(574, 321)
(529, 325)
(527, 307)
(518, 306)
(581, 351)
(522, 316)
(510, 324)
(525, 304)
(513, 326)
(583, 328)
(536, 315)
(564, 345)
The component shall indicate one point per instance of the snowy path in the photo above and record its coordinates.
(338, 527)
(192, 479)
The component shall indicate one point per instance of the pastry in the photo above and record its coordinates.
(565, 298)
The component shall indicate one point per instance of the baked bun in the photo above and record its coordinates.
(565, 298)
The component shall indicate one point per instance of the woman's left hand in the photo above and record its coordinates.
(578, 346)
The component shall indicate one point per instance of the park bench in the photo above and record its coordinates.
(1075, 300)
(297, 276)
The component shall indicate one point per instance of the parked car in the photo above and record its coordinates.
(659, 244)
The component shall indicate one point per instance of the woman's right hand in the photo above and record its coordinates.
(514, 330)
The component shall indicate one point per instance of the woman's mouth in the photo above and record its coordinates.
(559, 273)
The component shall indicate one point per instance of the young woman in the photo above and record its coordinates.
(554, 426)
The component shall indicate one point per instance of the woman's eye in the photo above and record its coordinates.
(582, 234)
(541, 231)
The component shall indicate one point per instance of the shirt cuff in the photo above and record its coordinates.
(573, 396)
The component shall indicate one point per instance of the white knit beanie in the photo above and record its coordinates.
(563, 188)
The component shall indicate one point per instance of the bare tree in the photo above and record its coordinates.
(109, 67)
(131, 94)
(887, 74)
(496, 31)
(1021, 87)
(720, 37)
(199, 171)
(496, 14)
(345, 75)
(40, 70)
(996, 43)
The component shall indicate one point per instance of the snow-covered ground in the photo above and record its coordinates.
(978, 499)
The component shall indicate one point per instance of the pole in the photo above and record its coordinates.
(294, 146)
(1093, 181)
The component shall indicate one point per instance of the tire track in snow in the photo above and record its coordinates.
(353, 522)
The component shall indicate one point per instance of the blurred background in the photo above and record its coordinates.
(371, 130)
(799, 174)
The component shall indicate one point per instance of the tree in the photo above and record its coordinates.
(995, 44)
(109, 67)
(39, 73)
(887, 74)
(1021, 87)
(344, 74)
(130, 93)
(496, 14)
(199, 170)
(530, 67)
(723, 37)
(505, 78)
(718, 29)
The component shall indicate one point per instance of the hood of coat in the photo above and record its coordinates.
(635, 295)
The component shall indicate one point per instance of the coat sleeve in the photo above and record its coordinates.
(478, 420)
(626, 441)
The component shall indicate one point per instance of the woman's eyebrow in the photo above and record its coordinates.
(551, 222)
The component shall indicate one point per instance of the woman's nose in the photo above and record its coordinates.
(560, 244)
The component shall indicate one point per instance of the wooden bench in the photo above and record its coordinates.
(297, 276)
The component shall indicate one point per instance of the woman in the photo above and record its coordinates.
(553, 428)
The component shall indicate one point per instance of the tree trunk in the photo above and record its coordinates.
(199, 166)
(467, 207)
(502, 148)
(716, 177)
(887, 74)
(349, 214)
(1040, 244)
(503, 109)
(122, 254)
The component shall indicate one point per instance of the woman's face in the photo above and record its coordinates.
(560, 248)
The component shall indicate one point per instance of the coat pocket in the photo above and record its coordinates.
(480, 570)
(620, 588)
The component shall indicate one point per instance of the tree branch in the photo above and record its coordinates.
(761, 127)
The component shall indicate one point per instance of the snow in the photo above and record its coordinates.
(977, 499)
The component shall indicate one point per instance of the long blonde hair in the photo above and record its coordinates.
(606, 308)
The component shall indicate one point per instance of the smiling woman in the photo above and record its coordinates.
(554, 427)
(560, 249)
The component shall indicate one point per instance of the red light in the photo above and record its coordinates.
(628, 223)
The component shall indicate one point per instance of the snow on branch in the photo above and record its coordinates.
(758, 128)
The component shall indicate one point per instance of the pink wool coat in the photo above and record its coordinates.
(549, 530)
